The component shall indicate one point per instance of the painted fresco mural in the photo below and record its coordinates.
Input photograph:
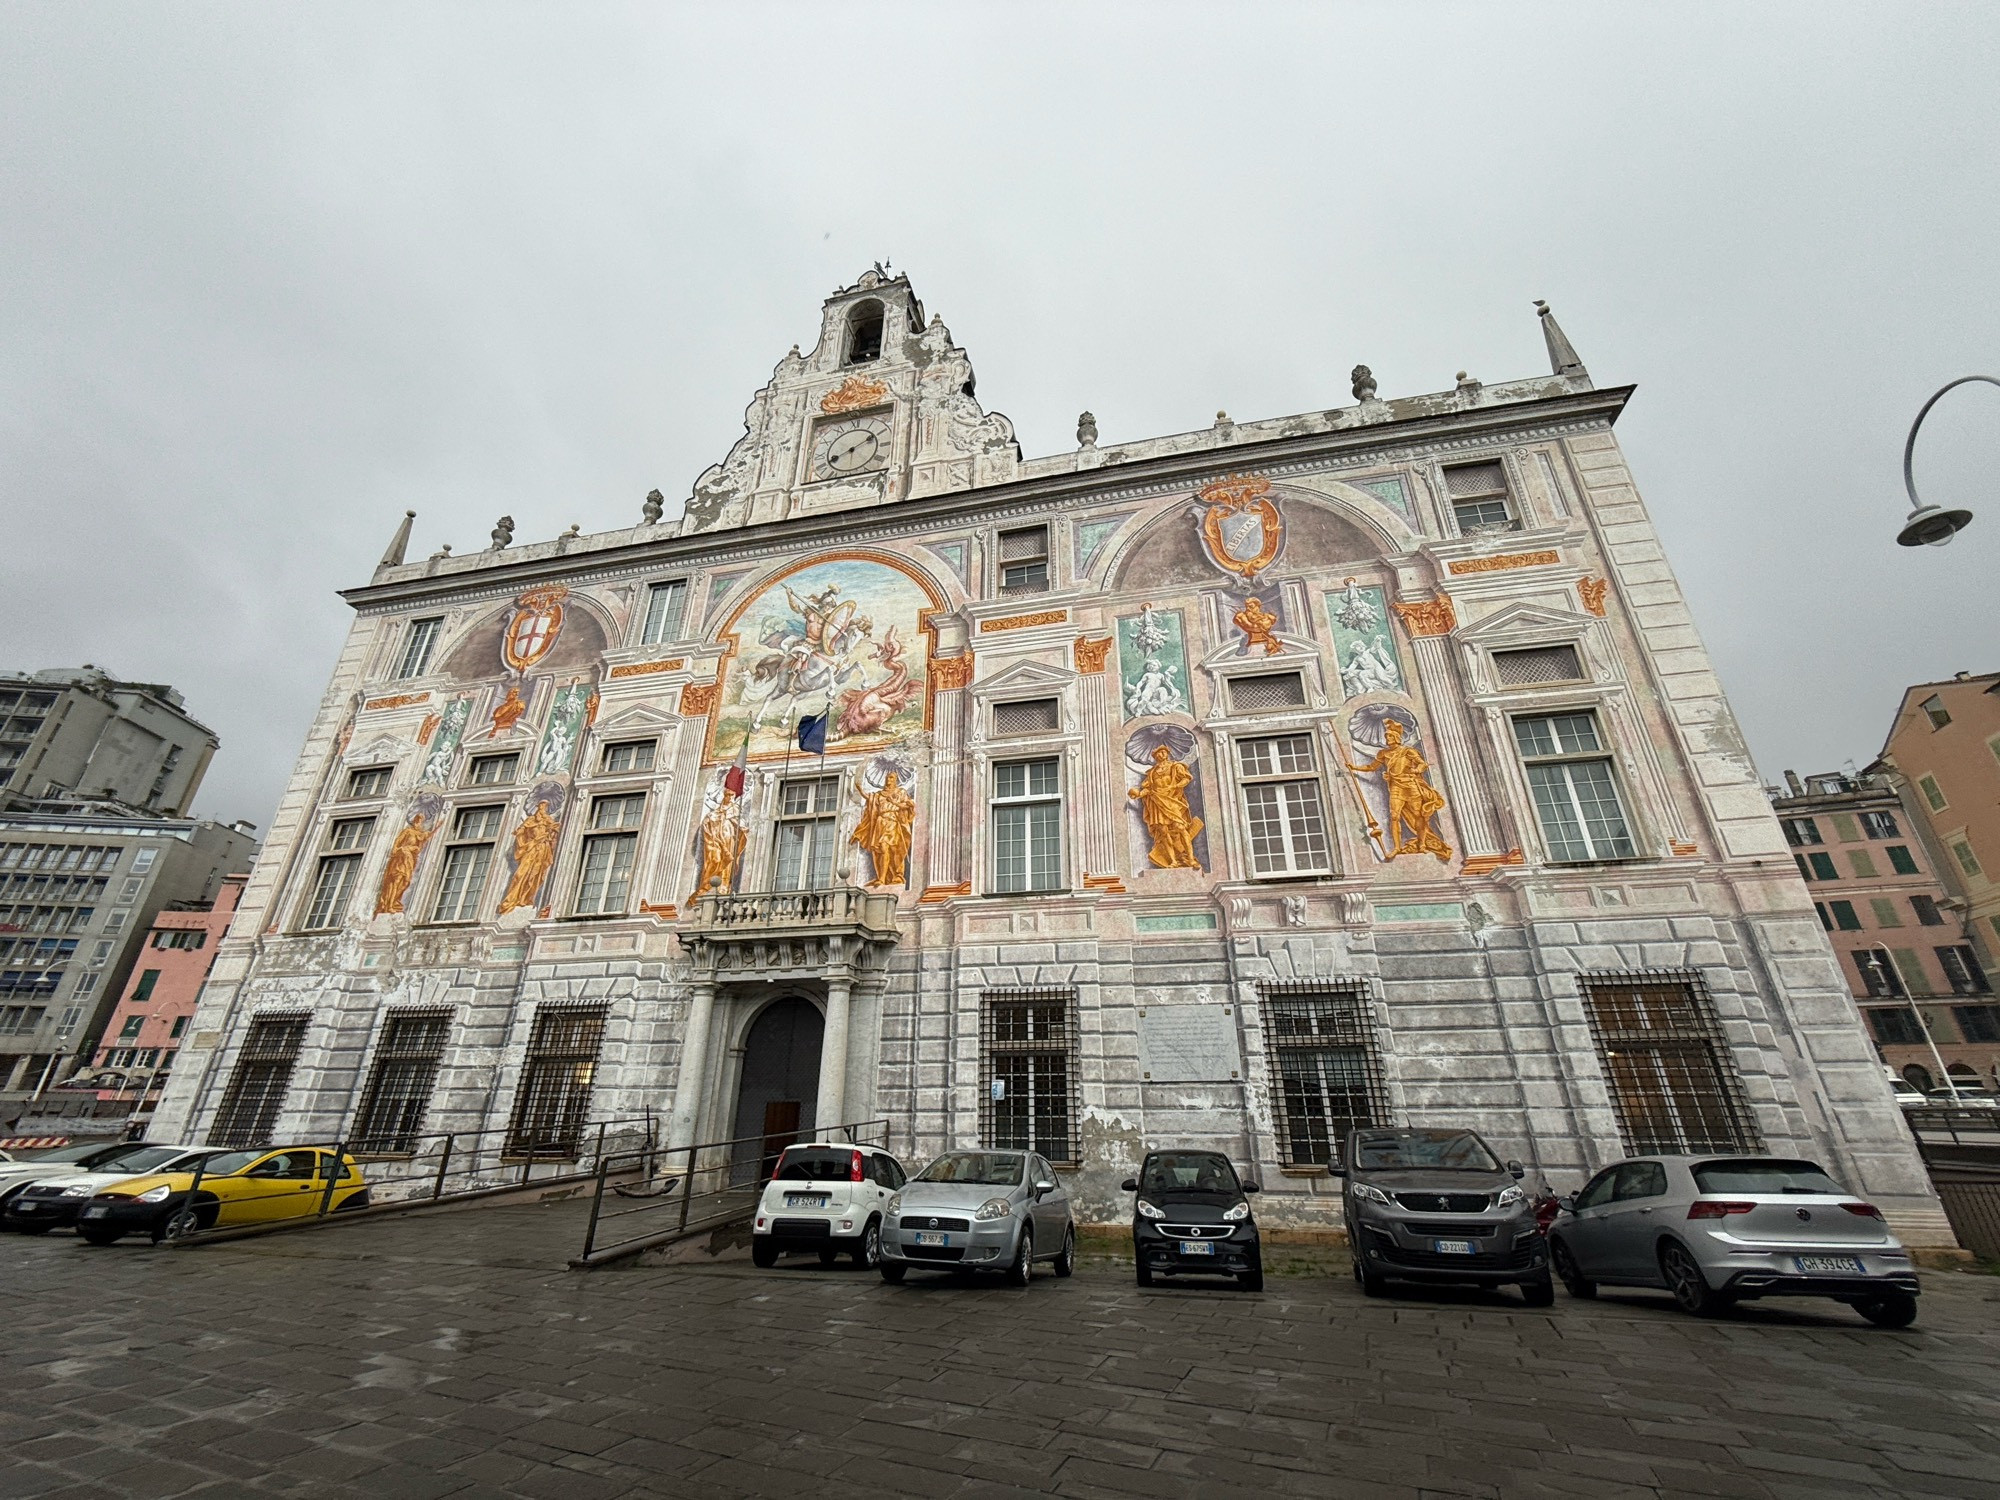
(1165, 822)
(1364, 648)
(1384, 762)
(844, 637)
(445, 735)
(1152, 663)
(574, 707)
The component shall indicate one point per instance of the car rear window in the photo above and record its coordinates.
(1189, 1172)
(1448, 1150)
(1763, 1176)
(145, 1161)
(814, 1165)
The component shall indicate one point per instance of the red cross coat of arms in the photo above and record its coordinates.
(538, 620)
(1241, 529)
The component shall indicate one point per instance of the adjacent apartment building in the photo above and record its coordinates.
(77, 733)
(1899, 932)
(1232, 788)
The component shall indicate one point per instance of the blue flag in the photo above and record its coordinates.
(812, 734)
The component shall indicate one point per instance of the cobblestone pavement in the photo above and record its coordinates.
(447, 1355)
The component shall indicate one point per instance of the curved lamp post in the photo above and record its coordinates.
(1930, 525)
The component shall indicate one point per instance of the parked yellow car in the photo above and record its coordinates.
(236, 1188)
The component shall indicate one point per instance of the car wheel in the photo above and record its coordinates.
(1896, 1310)
(1066, 1260)
(893, 1271)
(868, 1252)
(1372, 1285)
(1540, 1293)
(176, 1224)
(1023, 1270)
(763, 1253)
(829, 1256)
(102, 1236)
(1252, 1280)
(1690, 1288)
(1573, 1280)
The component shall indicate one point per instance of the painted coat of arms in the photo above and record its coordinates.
(537, 621)
(1241, 529)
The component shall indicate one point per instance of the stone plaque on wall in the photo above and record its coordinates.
(1189, 1044)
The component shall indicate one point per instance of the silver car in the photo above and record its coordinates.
(1715, 1230)
(980, 1210)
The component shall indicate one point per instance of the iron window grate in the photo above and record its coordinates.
(1028, 1072)
(1537, 665)
(262, 1077)
(1029, 716)
(1326, 1066)
(1266, 691)
(400, 1082)
(556, 1082)
(1673, 1080)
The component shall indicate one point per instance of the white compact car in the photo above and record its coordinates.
(826, 1197)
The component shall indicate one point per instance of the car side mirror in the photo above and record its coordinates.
(1250, 1187)
(1042, 1188)
(1516, 1170)
(1129, 1185)
(1566, 1204)
(1337, 1169)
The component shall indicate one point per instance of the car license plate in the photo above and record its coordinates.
(1197, 1247)
(1838, 1265)
(1452, 1247)
(96, 1211)
(805, 1200)
(933, 1239)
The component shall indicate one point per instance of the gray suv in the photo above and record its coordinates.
(1438, 1206)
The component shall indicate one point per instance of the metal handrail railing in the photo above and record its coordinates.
(704, 1177)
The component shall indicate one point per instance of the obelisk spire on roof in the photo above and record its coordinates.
(399, 543)
(1563, 358)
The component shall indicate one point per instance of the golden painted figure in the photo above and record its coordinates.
(534, 852)
(402, 866)
(884, 831)
(1255, 622)
(1413, 801)
(1163, 803)
(722, 839)
(507, 712)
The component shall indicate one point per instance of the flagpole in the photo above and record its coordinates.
(825, 723)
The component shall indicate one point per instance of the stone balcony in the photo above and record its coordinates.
(788, 934)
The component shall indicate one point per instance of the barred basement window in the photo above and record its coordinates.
(399, 1084)
(1027, 1072)
(418, 646)
(555, 1088)
(1033, 716)
(665, 605)
(257, 1088)
(1266, 691)
(1326, 1073)
(1024, 560)
(1538, 665)
(1479, 497)
(1673, 1082)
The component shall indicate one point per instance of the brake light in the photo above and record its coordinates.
(1863, 1210)
(1710, 1208)
(854, 1171)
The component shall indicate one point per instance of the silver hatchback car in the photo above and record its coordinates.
(980, 1210)
(1714, 1230)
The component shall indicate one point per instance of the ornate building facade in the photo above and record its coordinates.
(1226, 788)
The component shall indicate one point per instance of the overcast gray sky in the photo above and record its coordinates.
(270, 275)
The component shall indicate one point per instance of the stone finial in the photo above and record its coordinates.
(1469, 386)
(655, 503)
(399, 543)
(1364, 383)
(503, 533)
(1562, 353)
(575, 529)
(1086, 430)
(442, 553)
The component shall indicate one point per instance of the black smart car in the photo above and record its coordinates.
(1192, 1218)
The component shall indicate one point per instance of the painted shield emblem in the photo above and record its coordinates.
(1241, 529)
(538, 619)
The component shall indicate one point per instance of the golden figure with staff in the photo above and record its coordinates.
(1163, 803)
(884, 831)
(1413, 802)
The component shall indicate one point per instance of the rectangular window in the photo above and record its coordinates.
(1844, 917)
(1326, 1071)
(333, 888)
(1024, 560)
(1033, 716)
(1927, 913)
(608, 855)
(257, 1088)
(1028, 1072)
(369, 781)
(1962, 971)
(1896, 1027)
(1267, 691)
(349, 833)
(1885, 911)
(808, 815)
(1978, 1023)
(1805, 870)
(1027, 826)
(418, 646)
(179, 1028)
(133, 1024)
(400, 1082)
(1901, 861)
(1967, 861)
(1674, 1086)
(1879, 825)
(1800, 831)
(1879, 979)
(1825, 920)
(665, 604)
(1283, 806)
(629, 756)
(143, 860)
(1479, 497)
(1935, 711)
(1576, 795)
(493, 770)
(143, 990)
(468, 858)
(1863, 862)
(556, 1082)
(1532, 667)
(1932, 793)
(1823, 867)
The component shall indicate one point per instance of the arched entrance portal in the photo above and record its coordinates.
(779, 1090)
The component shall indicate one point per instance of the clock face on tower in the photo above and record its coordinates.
(852, 445)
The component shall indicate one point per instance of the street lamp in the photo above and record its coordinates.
(1931, 525)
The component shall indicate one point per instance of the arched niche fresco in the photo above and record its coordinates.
(579, 640)
(1169, 550)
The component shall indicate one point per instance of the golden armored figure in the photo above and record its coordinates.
(884, 831)
(722, 839)
(402, 866)
(1413, 801)
(1255, 622)
(534, 852)
(1163, 803)
(507, 712)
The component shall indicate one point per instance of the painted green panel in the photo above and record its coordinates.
(1152, 664)
(1363, 644)
(1191, 921)
(1422, 911)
